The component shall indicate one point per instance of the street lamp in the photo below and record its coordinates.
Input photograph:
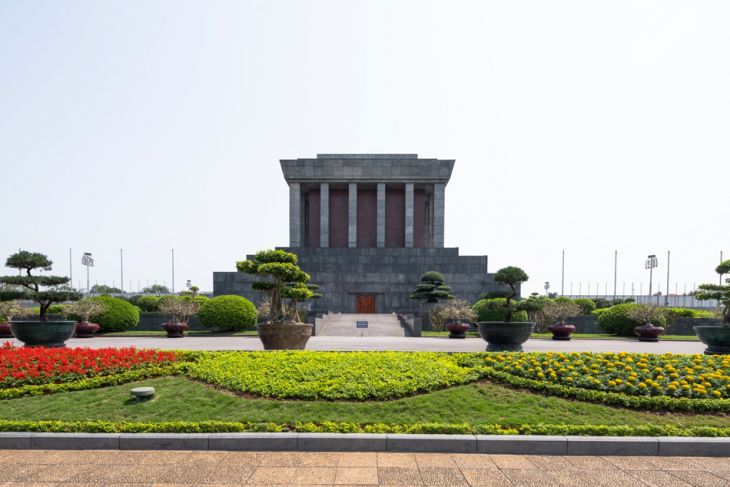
(88, 261)
(651, 263)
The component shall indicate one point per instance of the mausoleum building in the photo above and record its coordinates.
(365, 227)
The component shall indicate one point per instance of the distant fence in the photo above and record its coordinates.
(675, 301)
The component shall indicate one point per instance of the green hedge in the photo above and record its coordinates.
(119, 315)
(616, 320)
(587, 305)
(228, 313)
(493, 310)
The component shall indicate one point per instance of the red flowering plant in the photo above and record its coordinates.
(25, 366)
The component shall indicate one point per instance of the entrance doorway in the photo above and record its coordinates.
(365, 303)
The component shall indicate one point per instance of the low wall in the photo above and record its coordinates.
(411, 323)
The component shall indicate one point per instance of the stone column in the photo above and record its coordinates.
(295, 215)
(324, 215)
(409, 214)
(438, 214)
(352, 216)
(380, 225)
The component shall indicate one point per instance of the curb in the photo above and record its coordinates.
(493, 444)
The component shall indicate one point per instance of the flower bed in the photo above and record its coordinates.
(639, 375)
(331, 375)
(23, 367)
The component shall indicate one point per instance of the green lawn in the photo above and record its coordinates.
(181, 399)
(577, 336)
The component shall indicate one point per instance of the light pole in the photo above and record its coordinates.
(666, 294)
(121, 269)
(651, 263)
(547, 287)
(173, 271)
(615, 271)
(88, 261)
(562, 276)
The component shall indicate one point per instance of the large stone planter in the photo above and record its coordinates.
(717, 339)
(5, 330)
(175, 329)
(86, 329)
(290, 336)
(43, 333)
(561, 331)
(648, 332)
(502, 336)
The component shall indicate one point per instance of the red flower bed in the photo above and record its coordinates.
(23, 366)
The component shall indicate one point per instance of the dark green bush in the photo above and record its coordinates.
(230, 313)
(120, 315)
(495, 309)
(615, 320)
(148, 303)
(587, 305)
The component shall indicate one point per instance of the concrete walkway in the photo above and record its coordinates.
(343, 325)
(385, 343)
(178, 468)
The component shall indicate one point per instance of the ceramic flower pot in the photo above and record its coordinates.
(43, 333)
(648, 332)
(561, 331)
(175, 329)
(86, 329)
(5, 330)
(716, 337)
(502, 336)
(457, 330)
(284, 336)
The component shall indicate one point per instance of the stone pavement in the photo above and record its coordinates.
(385, 343)
(178, 468)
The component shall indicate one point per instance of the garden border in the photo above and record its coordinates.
(492, 444)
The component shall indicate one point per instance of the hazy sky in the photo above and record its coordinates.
(589, 126)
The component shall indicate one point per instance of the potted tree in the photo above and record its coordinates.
(44, 290)
(179, 309)
(645, 314)
(430, 290)
(83, 311)
(557, 312)
(716, 337)
(8, 311)
(458, 316)
(285, 280)
(507, 335)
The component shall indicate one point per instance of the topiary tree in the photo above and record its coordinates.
(28, 286)
(432, 288)
(228, 313)
(495, 309)
(718, 291)
(285, 280)
(511, 276)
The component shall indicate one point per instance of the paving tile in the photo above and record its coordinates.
(356, 475)
(272, 475)
(124, 474)
(435, 460)
(657, 478)
(404, 460)
(473, 460)
(699, 478)
(55, 473)
(512, 461)
(185, 474)
(442, 476)
(251, 458)
(670, 463)
(314, 476)
(630, 463)
(709, 463)
(591, 463)
(399, 476)
(528, 478)
(319, 459)
(279, 459)
(612, 479)
(18, 473)
(572, 478)
(483, 476)
(363, 459)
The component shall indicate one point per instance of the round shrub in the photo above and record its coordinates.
(148, 303)
(493, 309)
(587, 305)
(615, 320)
(229, 313)
(119, 315)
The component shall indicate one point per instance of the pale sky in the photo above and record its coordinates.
(588, 126)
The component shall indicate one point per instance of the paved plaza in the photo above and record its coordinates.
(251, 342)
(178, 468)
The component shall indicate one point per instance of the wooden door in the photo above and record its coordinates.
(365, 303)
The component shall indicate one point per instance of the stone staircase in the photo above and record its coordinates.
(379, 325)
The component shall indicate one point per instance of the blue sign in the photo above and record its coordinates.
(361, 324)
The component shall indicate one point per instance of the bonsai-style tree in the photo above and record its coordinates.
(285, 280)
(458, 311)
(559, 311)
(432, 288)
(85, 309)
(511, 276)
(644, 313)
(31, 287)
(179, 309)
(721, 292)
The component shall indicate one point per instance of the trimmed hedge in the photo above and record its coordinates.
(587, 305)
(119, 315)
(493, 310)
(616, 320)
(228, 313)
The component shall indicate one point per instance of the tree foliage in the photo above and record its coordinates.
(29, 286)
(432, 288)
(511, 276)
(156, 289)
(720, 292)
